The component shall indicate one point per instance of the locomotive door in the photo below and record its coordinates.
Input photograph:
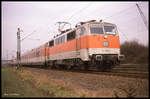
(78, 44)
(46, 54)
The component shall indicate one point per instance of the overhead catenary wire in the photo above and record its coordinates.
(115, 14)
(123, 34)
(29, 34)
(80, 10)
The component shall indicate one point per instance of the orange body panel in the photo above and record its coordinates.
(97, 41)
(45, 51)
(89, 41)
(64, 47)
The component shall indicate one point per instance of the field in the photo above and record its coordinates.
(14, 85)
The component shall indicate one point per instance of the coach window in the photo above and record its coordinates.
(41, 54)
(37, 54)
(71, 36)
(32, 55)
(51, 43)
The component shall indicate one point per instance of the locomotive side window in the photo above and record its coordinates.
(63, 39)
(96, 30)
(56, 41)
(60, 40)
(71, 36)
(51, 43)
(109, 30)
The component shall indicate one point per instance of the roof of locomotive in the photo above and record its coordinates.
(81, 24)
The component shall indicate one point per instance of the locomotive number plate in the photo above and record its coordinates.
(105, 43)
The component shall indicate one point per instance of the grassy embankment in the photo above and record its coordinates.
(14, 86)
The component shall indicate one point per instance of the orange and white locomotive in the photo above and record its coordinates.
(90, 44)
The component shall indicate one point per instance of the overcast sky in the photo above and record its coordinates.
(41, 17)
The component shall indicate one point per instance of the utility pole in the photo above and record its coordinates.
(142, 15)
(18, 48)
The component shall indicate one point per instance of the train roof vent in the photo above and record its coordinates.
(87, 22)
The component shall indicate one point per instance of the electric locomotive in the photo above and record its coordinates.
(90, 44)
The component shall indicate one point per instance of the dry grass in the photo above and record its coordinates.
(51, 87)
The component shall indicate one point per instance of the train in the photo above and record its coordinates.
(89, 45)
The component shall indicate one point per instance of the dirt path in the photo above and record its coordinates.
(90, 85)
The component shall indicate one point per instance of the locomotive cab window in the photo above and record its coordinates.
(96, 30)
(110, 30)
(71, 36)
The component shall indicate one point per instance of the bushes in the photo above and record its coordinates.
(134, 52)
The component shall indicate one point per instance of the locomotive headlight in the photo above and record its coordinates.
(105, 43)
(105, 36)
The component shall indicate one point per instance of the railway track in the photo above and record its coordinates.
(123, 71)
(142, 75)
(129, 70)
(127, 74)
